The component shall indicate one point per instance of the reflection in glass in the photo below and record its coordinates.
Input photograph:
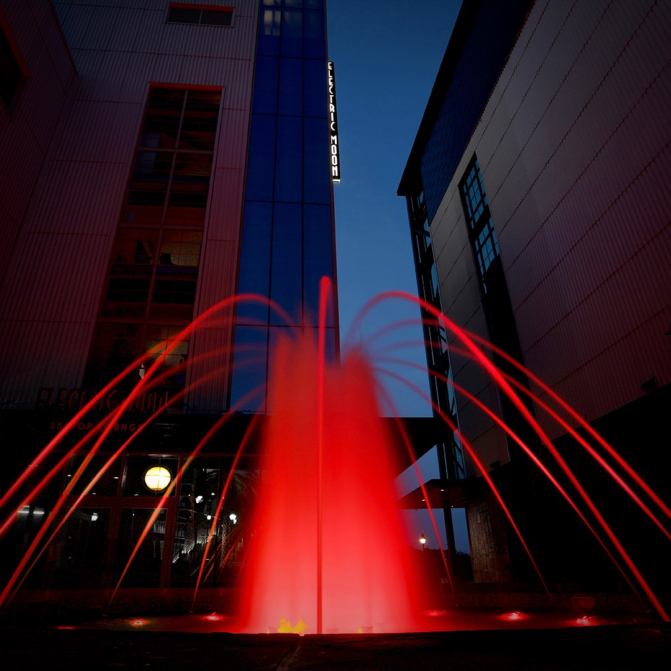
(292, 32)
(269, 33)
(289, 161)
(201, 114)
(254, 275)
(115, 347)
(265, 85)
(261, 158)
(145, 569)
(189, 188)
(286, 283)
(316, 177)
(291, 86)
(149, 186)
(315, 38)
(315, 98)
(106, 485)
(82, 549)
(163, 116)
(249, 367)
(317, 259)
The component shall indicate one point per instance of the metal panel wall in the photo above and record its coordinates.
(25, 132)
(51, 295)
(575, 152)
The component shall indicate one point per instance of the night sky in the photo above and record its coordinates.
(386, 57)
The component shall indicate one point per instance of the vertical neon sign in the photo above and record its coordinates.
(333, 125)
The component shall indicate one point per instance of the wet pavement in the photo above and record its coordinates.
(146, 643)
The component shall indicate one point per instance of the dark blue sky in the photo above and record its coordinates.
(386, 57)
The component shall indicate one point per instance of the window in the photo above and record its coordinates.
(204, 15)
(173, 164)
(152, 268)
(151, 291)
(12, 68)
(481, 229)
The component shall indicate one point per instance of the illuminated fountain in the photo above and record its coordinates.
(326, 553)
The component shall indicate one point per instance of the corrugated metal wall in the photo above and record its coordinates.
(575, 152)
(25, 133)
(51, 295)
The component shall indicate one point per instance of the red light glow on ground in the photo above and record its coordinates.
(586, 621)
(139, 623)
(213, 617)
(515, 616)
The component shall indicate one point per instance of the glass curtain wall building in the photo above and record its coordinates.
(287, 234)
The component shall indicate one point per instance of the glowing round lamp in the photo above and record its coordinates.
(157, 478)
(422, 540)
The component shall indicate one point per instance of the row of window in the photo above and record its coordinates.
(153, 276)
(173, 165)
(293, 32)
(435, 335)
(207, 16)
(481, 229)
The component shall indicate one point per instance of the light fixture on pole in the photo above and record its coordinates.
(422, 541)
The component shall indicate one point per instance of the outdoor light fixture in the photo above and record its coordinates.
(157, 478)
(422, 541)
(233, 517)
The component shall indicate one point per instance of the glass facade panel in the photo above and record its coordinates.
(269, 32)
(164, 113)
(289, 160)
(115, 347)
(82, 549)
(317, 259)
(249, 367)
(315, 39)
(481, 229)
(261, 159)
(265, 85)
(292, 32)
(145, 569)
(189, 189)
(197, 505)
(106, 485)
(314, 103)
(149, 186)
(255, 260)
(316, 177)
(199, 125)
(291, 86)
(216, 18)
(287, 273)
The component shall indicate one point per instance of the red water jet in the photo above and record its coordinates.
(366, 577)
